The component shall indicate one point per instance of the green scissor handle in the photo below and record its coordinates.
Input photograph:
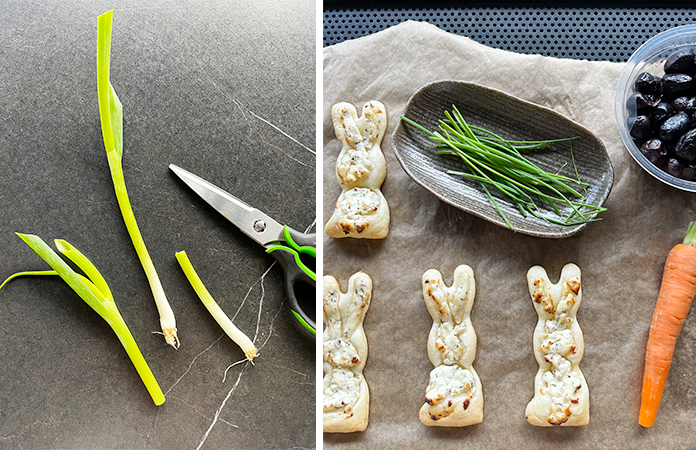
(297, 271)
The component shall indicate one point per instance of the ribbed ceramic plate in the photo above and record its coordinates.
(512, 119)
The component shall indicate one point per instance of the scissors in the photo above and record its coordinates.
(282, 242)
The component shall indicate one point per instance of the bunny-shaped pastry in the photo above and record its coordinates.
(454, 397)
(346, 395)
(361, 209)
(561, 394)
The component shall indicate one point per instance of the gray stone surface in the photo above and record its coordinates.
(224, 89)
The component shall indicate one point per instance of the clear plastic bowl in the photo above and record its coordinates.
(649, 58)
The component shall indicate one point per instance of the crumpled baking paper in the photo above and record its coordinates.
(621, 258)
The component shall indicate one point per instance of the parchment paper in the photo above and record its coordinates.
(621, 259)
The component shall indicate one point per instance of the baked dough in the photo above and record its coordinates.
(346, 398)
(561, 395)
(454, 397)
(361, 209)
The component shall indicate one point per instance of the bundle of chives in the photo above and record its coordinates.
(498, 162)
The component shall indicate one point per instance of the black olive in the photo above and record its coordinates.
(648, 84)
(655, 159)
(674, 167)
(662, 111)
(672, 128)
(689, 173)
(675, 84)
(645, 103)
(680, 103)
(655, 145)
(654, 150)
(641, 127)
(691, 105)
(686, 146)
(681, 62)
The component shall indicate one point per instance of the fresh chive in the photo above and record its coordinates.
(498, 162)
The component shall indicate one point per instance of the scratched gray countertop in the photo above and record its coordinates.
(224, 89)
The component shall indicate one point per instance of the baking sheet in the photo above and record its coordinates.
(621, 258)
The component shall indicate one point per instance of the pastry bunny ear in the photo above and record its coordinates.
(544, 292)
(464, 291)
(332, 313)
(435, 295)
(453, 303)
(373, 123)
(540, 289)
(345, 121)
(571, 277)
(343, 313)
(357, 302)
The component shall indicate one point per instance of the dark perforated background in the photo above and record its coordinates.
(610, 34)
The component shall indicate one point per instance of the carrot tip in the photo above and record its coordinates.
(646, 422)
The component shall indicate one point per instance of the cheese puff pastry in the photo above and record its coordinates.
(346, 398)
(361, 209)
(454, 397)
(561, 395)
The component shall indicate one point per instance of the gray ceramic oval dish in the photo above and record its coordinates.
(510, 118)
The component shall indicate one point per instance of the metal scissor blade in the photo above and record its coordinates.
(254, 223)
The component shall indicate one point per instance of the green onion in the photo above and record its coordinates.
(218, 314)
(500, 163)
(111, 114)
(93, 289)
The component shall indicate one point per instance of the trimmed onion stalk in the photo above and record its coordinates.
(93, 289)
(218, 314)
(111, 114)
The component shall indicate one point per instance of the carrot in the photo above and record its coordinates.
(673, 302)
